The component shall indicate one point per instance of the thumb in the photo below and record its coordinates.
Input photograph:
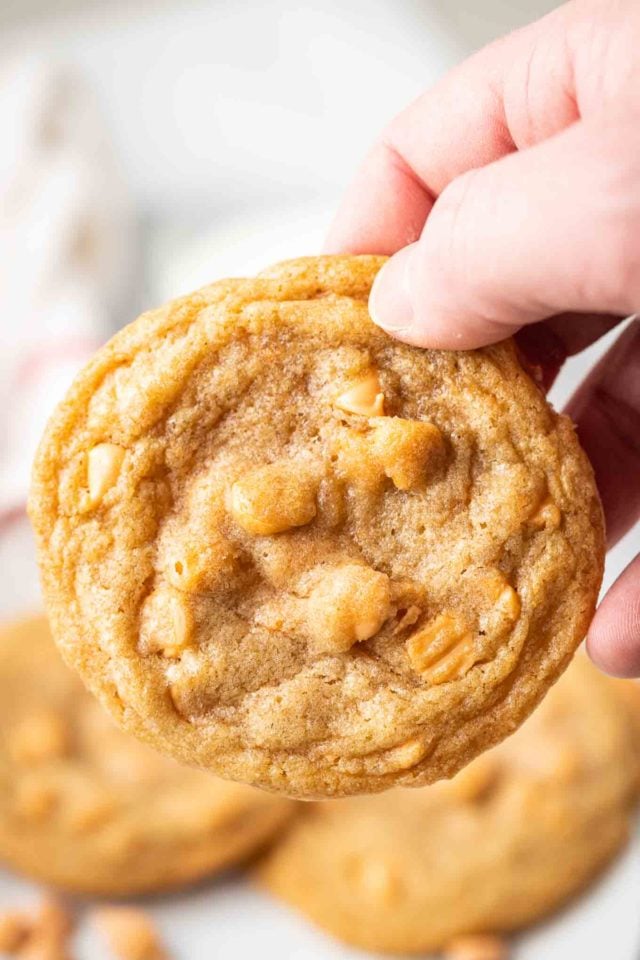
(552, 229)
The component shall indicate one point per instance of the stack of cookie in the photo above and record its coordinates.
(514, 835)
(279, 546)
(87, 808)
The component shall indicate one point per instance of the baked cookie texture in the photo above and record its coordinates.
(85, 807)
(279, 545)
(520, 830)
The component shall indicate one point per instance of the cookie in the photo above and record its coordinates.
(520, 830)
(87, 808)
(284, 547)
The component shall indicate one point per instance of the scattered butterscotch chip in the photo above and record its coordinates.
(90, 810)
(474, 782)
(271, 431)
(167, 623)
(376, 880)
(546, 515)
(273, 498)
(477, 947)
(349, 604)
(103, 466)
(14, 930)
(508, 603)
(443, 649)
(501, 605)
(567, 765)
(48, 934)
(405, 755)
(129, 933)
(364, 397)
(407, 449)
(41, 736)
(43, 935)
(34, 798)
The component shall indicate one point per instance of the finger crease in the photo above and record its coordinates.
(398, 162)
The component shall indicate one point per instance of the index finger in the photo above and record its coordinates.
(512, 94)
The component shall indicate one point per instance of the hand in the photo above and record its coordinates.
(509, 196)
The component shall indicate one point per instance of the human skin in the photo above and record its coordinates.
(508, 197)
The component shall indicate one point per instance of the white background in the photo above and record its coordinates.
(236, 126)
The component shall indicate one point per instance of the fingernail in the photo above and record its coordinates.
(390, 298)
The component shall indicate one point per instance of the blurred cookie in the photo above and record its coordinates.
(87, 808)
(516, 833)
(282, 546)
(629, 690)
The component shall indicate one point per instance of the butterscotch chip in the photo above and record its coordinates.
(376, 880)
(103, 466)
(167, 623)
(41, 736)
(477, 947)
(547, 514)
(504, 843)
(271, 432)
(14, 929)
(48, 934)
(364, 397)
(34, 797)
(129, 933)
(407, 449)
(442, 650)
(349, 604)
(105, 815)
(474, 783)
(273, 498)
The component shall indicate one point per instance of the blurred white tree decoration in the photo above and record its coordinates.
(66, 246)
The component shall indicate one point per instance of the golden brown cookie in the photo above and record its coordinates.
(282, 546)
(85, 807)
(629, 691)
(517, 832)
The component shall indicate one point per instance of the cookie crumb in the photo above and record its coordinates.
(477, 947)
(129, 933)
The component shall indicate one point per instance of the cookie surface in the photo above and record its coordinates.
(516, 833)
(282, 546)
(86, 807)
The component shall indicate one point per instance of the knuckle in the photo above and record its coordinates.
(447, 239)
(617, 250)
